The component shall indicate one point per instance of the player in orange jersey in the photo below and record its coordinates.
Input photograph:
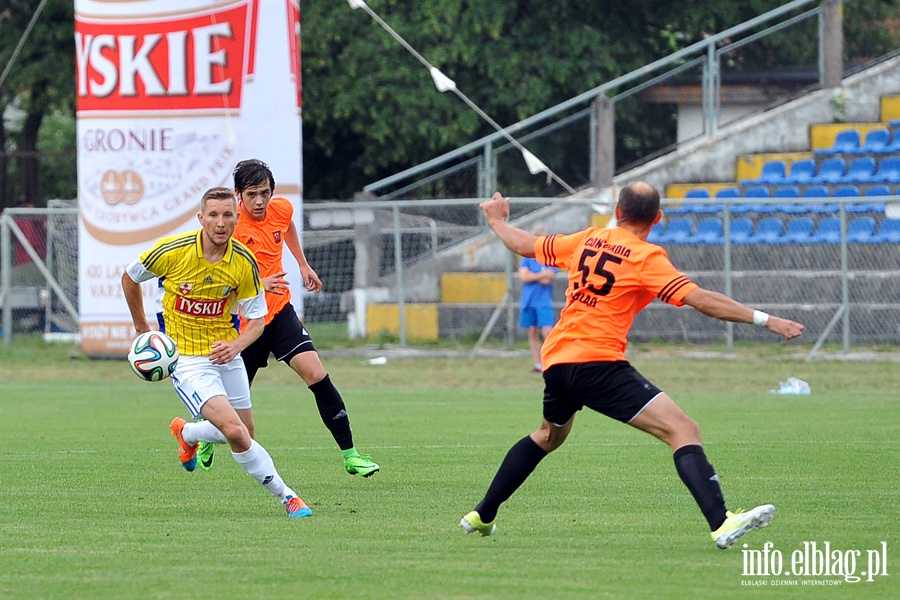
(613, 274)
(265, 227)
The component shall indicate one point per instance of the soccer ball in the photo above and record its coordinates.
(153, 356)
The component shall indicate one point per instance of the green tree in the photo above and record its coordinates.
(370, 109)
(40, 83)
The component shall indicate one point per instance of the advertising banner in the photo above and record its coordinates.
(171, 94)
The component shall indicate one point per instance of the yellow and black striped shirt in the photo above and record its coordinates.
(198, 299)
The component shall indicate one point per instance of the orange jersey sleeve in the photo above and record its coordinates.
(612, 276)
(266, 240)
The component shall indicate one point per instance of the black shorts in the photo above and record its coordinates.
(285, 337)
(613, 388)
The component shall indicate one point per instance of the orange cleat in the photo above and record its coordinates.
(296, 507)
(186, 452)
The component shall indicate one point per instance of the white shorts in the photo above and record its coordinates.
(197, 380)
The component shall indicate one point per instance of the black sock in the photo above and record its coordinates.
(333, 412)
(520, 461)
(701, 479)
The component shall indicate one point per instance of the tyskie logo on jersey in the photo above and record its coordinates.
(204, 309)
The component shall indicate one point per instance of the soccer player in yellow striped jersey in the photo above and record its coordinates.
(205, 273)
(266, 227)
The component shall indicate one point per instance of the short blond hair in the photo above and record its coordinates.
(217, 193)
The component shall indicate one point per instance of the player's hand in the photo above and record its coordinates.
(784, 327)
(276, 284)
(495, 209)
(221, 353)
(310, 280)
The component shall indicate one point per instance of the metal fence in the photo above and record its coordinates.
(39, 270)
(844, 286)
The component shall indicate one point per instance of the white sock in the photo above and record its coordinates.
(204, 431)
(258, 464)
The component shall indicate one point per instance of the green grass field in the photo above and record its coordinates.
(95, 505)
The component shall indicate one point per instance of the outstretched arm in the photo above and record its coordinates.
(719, 306)
(496, 210)
(311, 281)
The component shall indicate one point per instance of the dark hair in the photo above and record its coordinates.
(639, 203)
(252, 172)
(216, 193)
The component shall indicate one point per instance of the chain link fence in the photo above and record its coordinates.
(417, 271)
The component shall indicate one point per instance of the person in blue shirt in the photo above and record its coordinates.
(536, 305)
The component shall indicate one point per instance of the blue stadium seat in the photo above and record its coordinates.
(767, 231)
(860, 170)
(876, 141)
(709, 233)
(757, 191)
(888, 171)
(845, 140)
(846, 191)
(796, 208)
(894, 146)
(861, 230)
(878, 190)
(655, 233)
(866, 207)
(828, 232)
(797, 231)
(772, 172)
(801, 171)
(816, 191)
(787, 191)
(830, 171)
(707, 209)
(728, 192)
(697, 209)
(820, 191)
(889, 232)
(677, 231)
(741, 230)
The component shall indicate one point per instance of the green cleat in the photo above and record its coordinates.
(205, 453)
(361, 464)
(738, 523)
(472, 523)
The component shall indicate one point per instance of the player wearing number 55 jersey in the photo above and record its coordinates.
(612, 275)
(204, 274)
